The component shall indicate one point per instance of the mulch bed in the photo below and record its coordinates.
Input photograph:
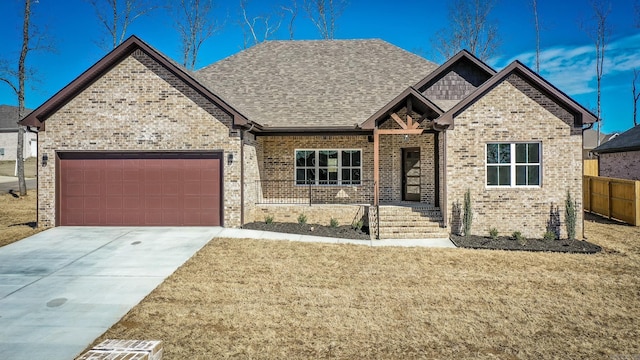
(471, 242)
(507, 243)
(343, 231)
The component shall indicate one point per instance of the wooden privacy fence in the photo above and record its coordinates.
(590, 167)
(613, 198)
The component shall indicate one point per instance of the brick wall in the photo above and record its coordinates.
(139, 106)
(622, 165)
(316, 214)
(507, 114)
(278, 161)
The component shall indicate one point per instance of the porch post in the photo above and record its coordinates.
(376, 165)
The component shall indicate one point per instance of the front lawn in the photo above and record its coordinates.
(274, 300)
(17, 217)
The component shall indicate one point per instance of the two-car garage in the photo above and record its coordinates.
(139, 189)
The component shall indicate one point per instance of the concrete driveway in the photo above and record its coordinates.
(64, 287)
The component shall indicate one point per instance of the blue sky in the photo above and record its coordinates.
(568, 55)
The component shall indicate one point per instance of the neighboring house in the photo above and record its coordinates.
(9, 135)
(620, 157)
(590, 142)
(356, 130)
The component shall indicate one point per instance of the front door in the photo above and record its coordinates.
(411, 174)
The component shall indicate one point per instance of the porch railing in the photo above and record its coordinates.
(289, 192)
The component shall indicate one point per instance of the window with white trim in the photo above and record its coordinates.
(328, 167)
(513, 164)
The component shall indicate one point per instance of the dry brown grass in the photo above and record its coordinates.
(8, 167)
(17, 217)
(275, 300)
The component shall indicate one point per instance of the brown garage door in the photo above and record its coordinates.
(148, 189)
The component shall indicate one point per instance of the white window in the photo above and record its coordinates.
(513, 164)
(328, 167)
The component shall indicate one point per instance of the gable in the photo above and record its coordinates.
(454, 84)
(536, 88)
(409, 102)
(543, 99)
(452, 81)
(176, 83)
(154, 60)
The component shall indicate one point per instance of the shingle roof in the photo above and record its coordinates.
(627, 141)
(9, 117)
(317, 83)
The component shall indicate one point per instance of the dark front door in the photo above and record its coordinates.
(411, 174)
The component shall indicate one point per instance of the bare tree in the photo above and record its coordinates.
(31, 41)
(324, 14)
(599, 32)
(195, 23)
(117, 15)
(256, 29)
(536, 22)
(293, 11)
(636, 96)
(469, 28)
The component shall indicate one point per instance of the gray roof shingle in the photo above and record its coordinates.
(314, 83)
(9, 117)
(626, 141)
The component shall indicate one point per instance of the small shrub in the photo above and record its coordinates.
(517, 235)
(493, 232)
(268, 219)
(333, 223)
(549, 235)
(357, 225)
(468, 213)
(571, 214)
(302, 219)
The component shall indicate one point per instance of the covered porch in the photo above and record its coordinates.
(395, 179)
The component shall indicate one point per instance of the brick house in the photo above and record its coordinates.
(356, 130)
(620, 156)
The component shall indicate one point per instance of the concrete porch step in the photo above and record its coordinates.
(418, 219)
(402, 229)
(410, 223)
(414, 235)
